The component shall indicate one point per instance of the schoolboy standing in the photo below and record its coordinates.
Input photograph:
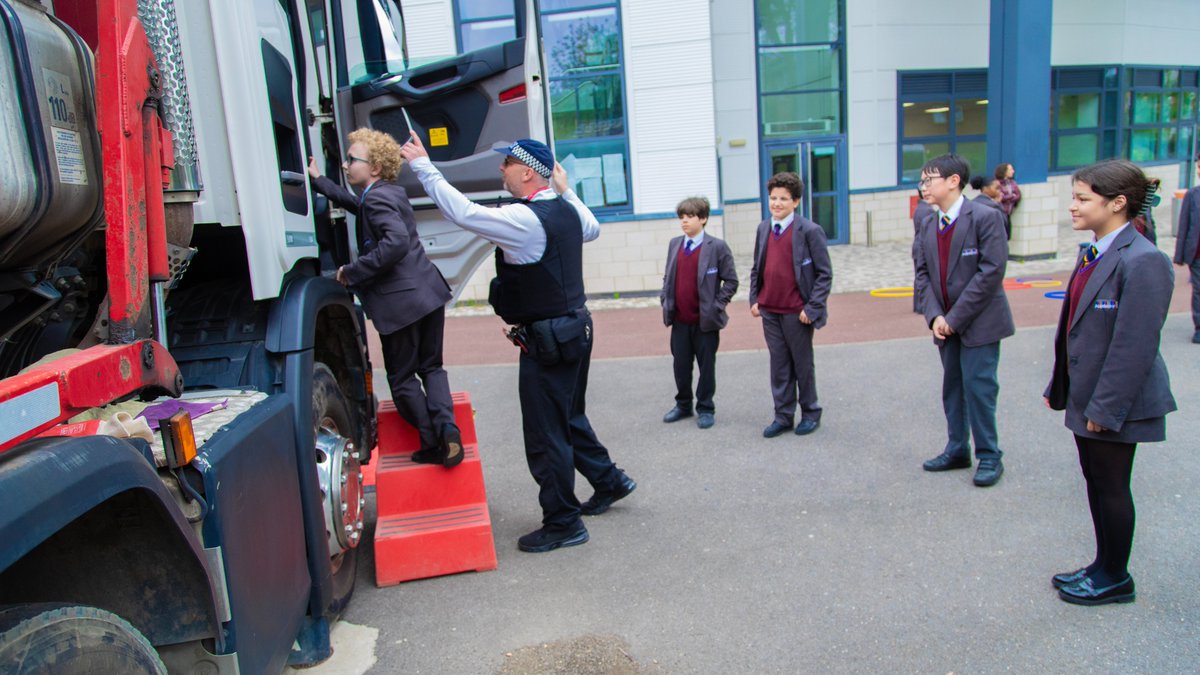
(790, 281)
(960, 280)
(699, 281)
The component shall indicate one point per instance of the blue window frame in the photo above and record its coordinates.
(940, 112)
(1085, 117)
(801, 68)
(586, 79)
(1160, 109)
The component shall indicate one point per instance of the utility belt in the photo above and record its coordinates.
(562, 339)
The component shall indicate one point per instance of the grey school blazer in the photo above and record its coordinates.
(810, 260)
(1107, 368)
(1188, 233)
(393, 277)
(717, 282)
(979, 312)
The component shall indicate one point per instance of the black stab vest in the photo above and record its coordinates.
(552, 286)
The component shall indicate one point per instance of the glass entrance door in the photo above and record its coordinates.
(821, 164)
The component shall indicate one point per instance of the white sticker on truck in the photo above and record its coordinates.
(69, 152)
(60, 100)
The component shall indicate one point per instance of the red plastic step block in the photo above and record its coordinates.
(398, 436)
(403, 486)
(433, 543)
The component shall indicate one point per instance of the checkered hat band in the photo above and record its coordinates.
(528, 159)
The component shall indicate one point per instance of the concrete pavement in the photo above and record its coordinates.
(829, 553)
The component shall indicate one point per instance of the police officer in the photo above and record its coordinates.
(539, 289)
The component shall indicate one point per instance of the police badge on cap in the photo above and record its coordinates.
(533, 154)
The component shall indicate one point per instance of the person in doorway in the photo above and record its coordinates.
(1108, 373)
(699, 282)
(538, 289)
(401, 290)
(790, 281)
(960, 280)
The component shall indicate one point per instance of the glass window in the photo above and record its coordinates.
(579, 42)
(1146, 108)
(914, 156)
(930, 118)
(582, 43)
(598, 171)
(787, 22)
(970, 116)
(1143, 145)
(1166, 146)
(480, 34)
(1077, 149)
(975, 152)
(587, 107)
(803, 68)
(1078, 111)
(1188, 106)
(485, 9)
(802, 114)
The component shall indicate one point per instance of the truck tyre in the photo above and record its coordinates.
(341, 482)
(72, 640)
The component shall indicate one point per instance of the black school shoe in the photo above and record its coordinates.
(544, 539)
(947, 462)
(428, 456)
(989, 471)
(1068, 578)
(775, 429)
(600, 502)
(1084, 592)
(675, 414)
(806, 427)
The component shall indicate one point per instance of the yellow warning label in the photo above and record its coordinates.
(439, 136)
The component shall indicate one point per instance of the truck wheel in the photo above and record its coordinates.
(341, 482)
(72, 640)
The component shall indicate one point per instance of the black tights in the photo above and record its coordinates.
(1107, 467)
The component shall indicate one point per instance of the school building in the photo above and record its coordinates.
(657, 100)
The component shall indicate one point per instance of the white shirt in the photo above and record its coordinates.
(953, 212)
(1103, 243)
(695, 242)
(513, 227)
(783, 224)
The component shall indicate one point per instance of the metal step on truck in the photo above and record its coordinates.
(160, 245)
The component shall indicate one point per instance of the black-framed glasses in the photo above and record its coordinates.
(350, 159)
(927, 181)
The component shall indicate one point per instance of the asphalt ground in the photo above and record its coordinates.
(828, 553)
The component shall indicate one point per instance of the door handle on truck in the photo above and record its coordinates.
(291, 178)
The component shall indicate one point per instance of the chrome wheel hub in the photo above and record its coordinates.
(341, 478)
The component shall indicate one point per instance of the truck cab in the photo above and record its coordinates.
(238, 557)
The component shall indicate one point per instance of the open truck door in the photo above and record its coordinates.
(462, 107)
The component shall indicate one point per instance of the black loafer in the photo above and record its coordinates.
(452, 446)
(545, 539)
(946, 462)
(428, 456)
(705, 420)
(675, 414)
(989, 472)
(1084, 592)
(774, 429)
(1068, 578)
(600, 502)
(806, 427)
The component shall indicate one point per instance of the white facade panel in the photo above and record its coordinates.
(429, 29)
(885, 37)
(1149, 32)
(736, 93)
(669, 102)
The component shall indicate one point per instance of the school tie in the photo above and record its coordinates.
(945, 223)
(687, 248)
(778, 229)
(1090, 255)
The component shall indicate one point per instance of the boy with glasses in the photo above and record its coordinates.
(962, 252)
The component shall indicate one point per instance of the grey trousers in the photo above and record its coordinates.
(970, 386)
(1195, 270)
(793, 377)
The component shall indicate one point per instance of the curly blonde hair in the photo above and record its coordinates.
(382, 151)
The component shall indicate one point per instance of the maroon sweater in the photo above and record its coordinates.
(944, 237)
(1075, 289)
(687, 291)
(778, 293)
